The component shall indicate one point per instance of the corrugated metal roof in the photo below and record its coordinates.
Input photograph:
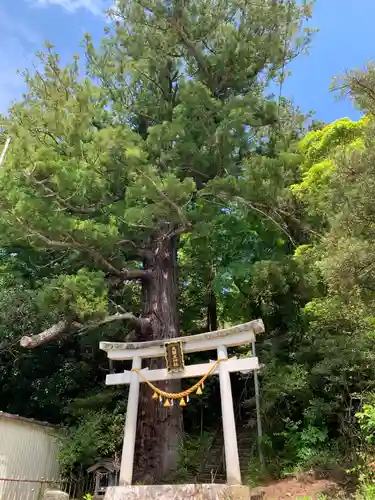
(28, 457)
(24, 419)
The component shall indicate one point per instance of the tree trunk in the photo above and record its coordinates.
(159, 429)
(211, 312)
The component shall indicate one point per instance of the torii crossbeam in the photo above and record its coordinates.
(218, 340)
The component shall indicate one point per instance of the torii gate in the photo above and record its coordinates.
(220, 340)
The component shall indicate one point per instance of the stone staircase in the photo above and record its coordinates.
(213, 464)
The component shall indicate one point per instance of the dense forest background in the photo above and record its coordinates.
(167, 140)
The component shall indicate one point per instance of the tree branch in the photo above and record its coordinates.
(363, 86)
(167, 199)
(192, 49)
(123, 274)
(63, 326)
(79, 210)
(49, 334)
(75, 245)
(114, 317)
(180, 230)
(134, 248)
(129, 275)
(136, 274)
(184, 37)
(253, 206)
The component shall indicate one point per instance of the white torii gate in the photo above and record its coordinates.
(220, 340)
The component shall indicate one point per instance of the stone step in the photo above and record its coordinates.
(215, 459)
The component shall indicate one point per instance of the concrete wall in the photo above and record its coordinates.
(28, 451)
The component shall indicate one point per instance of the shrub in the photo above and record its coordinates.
(96, 435)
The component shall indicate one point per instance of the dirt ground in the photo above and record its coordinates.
(291, 489)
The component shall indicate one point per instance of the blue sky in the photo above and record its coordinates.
(345, 41)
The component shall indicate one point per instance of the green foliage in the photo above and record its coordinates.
(305, 447)
(94, 436)
(254, 473)
(318, 370)
(364, 469)
(320, 149)
(323, 143)
(102, 165)
(366, 492)
(366, 418)
(191, 451)
(82, 296)
(320, 497)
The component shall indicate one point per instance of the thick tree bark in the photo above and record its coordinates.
(159, 429)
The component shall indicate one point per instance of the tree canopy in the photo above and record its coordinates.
(108, 170)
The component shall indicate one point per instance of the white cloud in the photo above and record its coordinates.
(96, 7)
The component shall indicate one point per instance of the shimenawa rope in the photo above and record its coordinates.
(159, 394)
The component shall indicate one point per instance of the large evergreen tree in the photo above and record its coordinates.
(336, 190)
(109, 170)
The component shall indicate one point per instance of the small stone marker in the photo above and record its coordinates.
(55, 495)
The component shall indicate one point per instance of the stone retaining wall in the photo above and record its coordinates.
(179, 492)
